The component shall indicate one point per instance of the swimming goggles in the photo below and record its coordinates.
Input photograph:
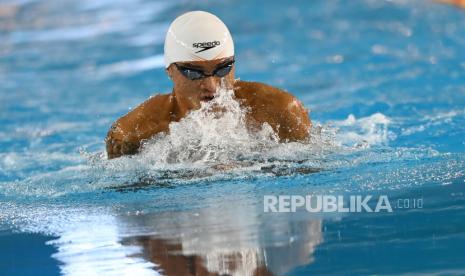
(195, 74)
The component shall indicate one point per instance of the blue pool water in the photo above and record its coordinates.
(385, 82)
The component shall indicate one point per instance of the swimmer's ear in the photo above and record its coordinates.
(168, 72)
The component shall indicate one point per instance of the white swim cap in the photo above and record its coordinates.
(197, 36)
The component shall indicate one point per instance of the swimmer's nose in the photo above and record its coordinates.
(209, 86)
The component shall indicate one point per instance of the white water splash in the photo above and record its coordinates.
(363, 132)
(217, 132)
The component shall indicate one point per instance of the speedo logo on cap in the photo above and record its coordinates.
(206, 45)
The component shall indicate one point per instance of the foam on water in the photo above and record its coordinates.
(364, 132)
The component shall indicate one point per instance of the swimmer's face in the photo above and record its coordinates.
(197, 81)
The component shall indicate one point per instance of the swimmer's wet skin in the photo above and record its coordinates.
(199, 59)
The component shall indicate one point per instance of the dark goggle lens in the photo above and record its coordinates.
(191, 73)
(194, 74)
(223, 71)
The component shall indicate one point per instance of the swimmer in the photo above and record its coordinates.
(199, 58)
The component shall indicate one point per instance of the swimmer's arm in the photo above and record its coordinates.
(126, 134)
(294, 122)
(118, 143)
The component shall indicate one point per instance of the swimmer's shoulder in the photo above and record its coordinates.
(258, 94)
(158, 105)
(280, 109)
(155, 107)
(147, 119)
(150, 113)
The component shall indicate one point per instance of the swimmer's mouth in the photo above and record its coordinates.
(207, 98)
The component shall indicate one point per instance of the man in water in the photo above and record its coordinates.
(199, 59)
